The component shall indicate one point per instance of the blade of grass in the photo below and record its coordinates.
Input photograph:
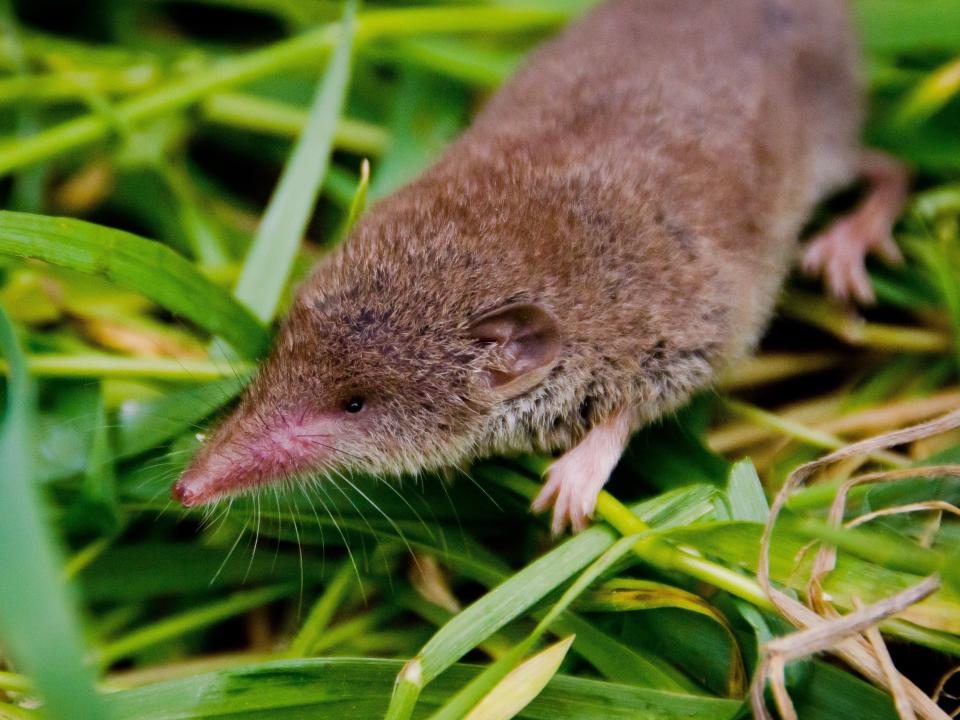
(145, 571)
(511, 598)
(353, 689)
(15, 712)
(268, 263)
(100, 506)
(38, 623)
(28, 186)
(322, 611)
(628, 594)
(745, 493)
(930, 95)
(484, 685)
(115, 366)
(522, 685)
(262, 115)
(940, 257)
(189, 621)
(799, 431)
(456, 59)
(507, 601)
(359, 202)
(491, 612)
(736, 543)
(133, 262)
(853, 330)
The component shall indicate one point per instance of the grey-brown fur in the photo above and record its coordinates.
(644, 178)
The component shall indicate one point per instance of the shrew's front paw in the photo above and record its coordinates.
(575, 480)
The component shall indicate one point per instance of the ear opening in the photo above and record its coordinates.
(528, 337)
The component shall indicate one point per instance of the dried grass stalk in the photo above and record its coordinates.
(853, 637)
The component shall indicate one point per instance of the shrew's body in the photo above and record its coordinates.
(609, 234)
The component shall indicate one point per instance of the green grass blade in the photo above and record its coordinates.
(745, 493)
(323, 611)
(511, 598)
(737, 544)
(485, 683)
(145, 571)
(621, 662)
(267, 266)
(498, 607)
(117, 366)
(100, 506)
(133, 262)
(458, 60)
(38, 624)
(359, 201)
(355, 689)
(190, 621)
(271, 117)
(628, 594)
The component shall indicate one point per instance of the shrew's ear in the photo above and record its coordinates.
(529, 340)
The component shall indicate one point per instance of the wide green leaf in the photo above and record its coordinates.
(351, 689)
(133, 262)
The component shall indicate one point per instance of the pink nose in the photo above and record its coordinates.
(183, 494)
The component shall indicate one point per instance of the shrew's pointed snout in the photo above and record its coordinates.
(245, 454)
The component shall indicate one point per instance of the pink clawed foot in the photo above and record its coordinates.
(575, 480)
(839, 253)
(572, 489)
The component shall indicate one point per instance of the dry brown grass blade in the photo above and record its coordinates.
(842, 637)
(430, 581)
(935, 505)
(894, 678)
(849, 636)
(894, 414)
(821, 414)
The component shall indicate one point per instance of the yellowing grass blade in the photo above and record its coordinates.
(522, 685)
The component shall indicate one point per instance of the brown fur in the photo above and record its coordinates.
(644, 178)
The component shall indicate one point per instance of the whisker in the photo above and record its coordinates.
(389, 520)
(229, 555)
(353, 560)
(409, 505)
(296, 533)
(256, 535)
(323, 542)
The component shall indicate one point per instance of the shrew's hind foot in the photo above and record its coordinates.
(575, 480)
(839, 253)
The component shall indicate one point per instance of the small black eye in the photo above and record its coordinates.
(353, 405)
